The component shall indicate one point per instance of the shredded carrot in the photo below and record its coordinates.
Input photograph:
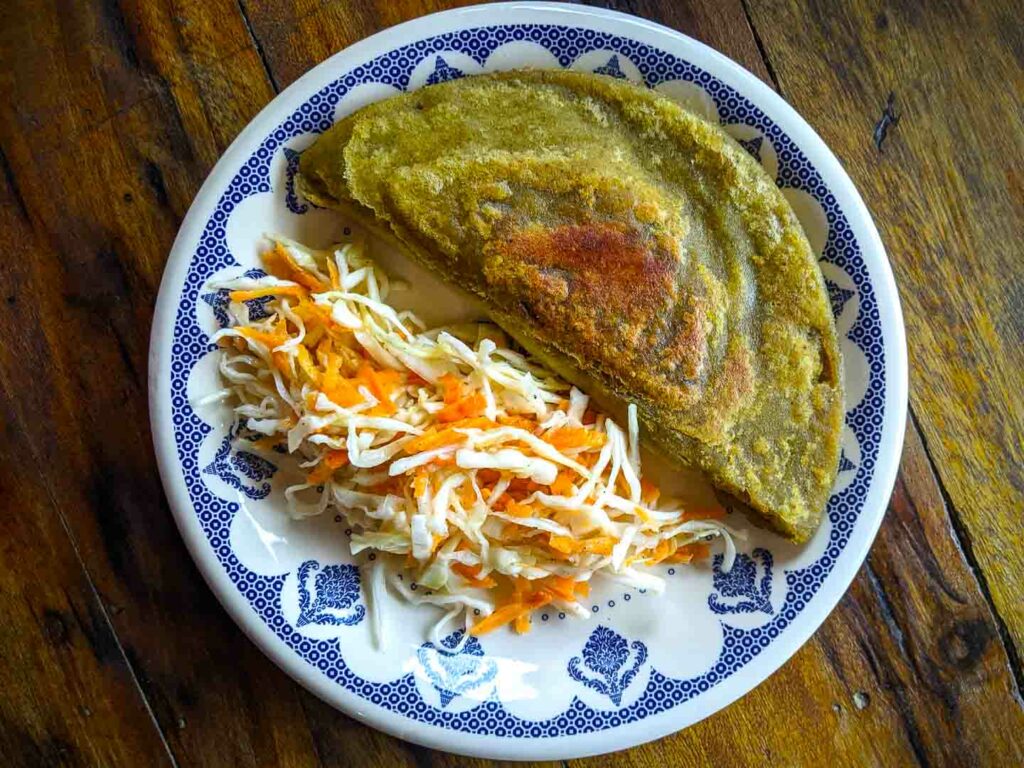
(466, 495)
(621, 485)
(518, 421)
(437, 437)
(313, 315)
(690, 552)
(344, 392)
(516, 509)
(307, 365)
(522, 624)
(267, 339)
(419, 485)
(324, 348)
(509, 613)
(666, 548)
(465, 408)
(488, 476)
(471, 573)
(564, 544)
(563, 485)
(598, 545)
(337, 458)
(382, 385)
(331, 461)
(283, 363)
(575, 437)
(649, 492)
(451, 388)
(281, 264)
(560, 586)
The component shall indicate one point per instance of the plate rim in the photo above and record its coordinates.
(895, 392)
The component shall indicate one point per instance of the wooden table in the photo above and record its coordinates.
(113, 650)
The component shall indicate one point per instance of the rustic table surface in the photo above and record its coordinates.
(113, 650)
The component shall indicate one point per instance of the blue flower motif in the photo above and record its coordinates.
(845, 465)
(443, 72)
(254, 467)
(605, 653)
(291, 198)
(741, 582)
(837, 297)
(611, 68)
(455, 672)
(335, 591)
(219, 301)
(753, 146)
(228, 463)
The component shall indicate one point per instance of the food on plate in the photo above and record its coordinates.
(632, 246)
(472, 477)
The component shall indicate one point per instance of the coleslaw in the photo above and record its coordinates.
(473, 478)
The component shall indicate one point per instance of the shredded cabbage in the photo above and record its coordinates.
(465, 468)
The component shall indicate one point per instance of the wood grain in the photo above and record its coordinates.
(111, 114)
(947, 194)
(110, 119)
(69, 696)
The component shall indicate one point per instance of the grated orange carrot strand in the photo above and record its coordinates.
(690, 552)
(574, 437)
(467, 407)
(281, 264)
(471, 573)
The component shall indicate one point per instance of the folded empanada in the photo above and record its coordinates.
(633, 246)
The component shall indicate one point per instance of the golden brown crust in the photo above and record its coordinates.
(614, 288)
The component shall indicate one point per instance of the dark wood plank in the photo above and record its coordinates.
(298, 35)
(68, 693)
(69, 697)
(947, 194)
(110, 117)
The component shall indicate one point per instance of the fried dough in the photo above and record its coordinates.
(633, 246)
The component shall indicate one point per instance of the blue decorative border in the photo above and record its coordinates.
(190, 343)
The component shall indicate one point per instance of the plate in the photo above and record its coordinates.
(643, 665)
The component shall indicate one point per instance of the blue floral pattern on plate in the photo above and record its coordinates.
(838, 297)
(242, 470)
(845, 465)
(455, 672)
(291, 197)
(740, 646)
(741, 582)
(611, 68)
(335, 590)
(606, 655)
(753, 146)
(443, 72)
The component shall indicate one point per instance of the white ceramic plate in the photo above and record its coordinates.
(643, 666)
